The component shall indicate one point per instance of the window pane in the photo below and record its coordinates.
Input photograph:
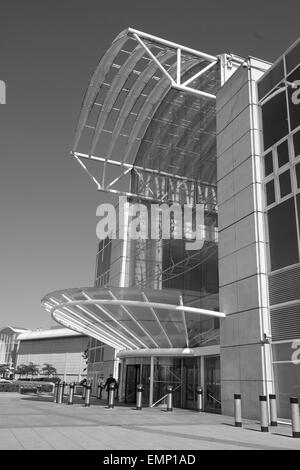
(268, 164)
(270, 79)
(285, 183)
(283, 235)
(270, 192)
(283, 153)
(296, 140)
(294, 100)
(274, 119)
(292, 57)
(298, 175)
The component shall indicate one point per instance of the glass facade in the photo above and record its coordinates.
(279, 94)
(103, 263)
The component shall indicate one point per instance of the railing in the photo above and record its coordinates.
(165, 396)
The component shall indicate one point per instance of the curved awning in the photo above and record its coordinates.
(131, 319)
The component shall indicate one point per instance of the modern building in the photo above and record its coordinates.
(166, 128)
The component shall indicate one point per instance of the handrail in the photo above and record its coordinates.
(165, 396)
(213, 398)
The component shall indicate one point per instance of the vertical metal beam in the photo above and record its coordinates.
(151, 381)
(154, 58)
(178, 75)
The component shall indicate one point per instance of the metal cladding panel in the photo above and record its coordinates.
(131, 318)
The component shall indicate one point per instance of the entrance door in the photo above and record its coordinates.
(132, 379)
(212, 384)
(191, 381)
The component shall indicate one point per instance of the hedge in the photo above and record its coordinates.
(15, 386)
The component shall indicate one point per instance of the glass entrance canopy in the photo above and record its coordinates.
(134, 319)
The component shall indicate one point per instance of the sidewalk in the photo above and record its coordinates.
(32, 422)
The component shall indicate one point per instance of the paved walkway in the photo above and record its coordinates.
(31, 422)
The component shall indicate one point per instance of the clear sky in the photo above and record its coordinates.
(48, 51)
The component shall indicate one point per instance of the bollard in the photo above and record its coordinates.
(199, 391)
(99, 392)
(139, 393)
(237, 410)
(273, 410)
(71, 393)
(111, 395)
(55, 391)
(83, 391)
(170, 398)
(264, 421)
(295, 416)
(88, 389)
(60, 393)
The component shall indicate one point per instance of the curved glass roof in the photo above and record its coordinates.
(150, 107)
(131, 318)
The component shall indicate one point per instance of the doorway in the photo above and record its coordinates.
(131, 381)
(192, 376)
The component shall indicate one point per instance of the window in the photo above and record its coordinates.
(294, 98)
(283, 235)
(297, 168)
(270, 192)
(296, 142)
(270, 79)
(283, 153)
(274, 120)
(268, 159)
(285, 183)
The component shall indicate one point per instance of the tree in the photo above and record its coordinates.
(49, 369)
(22, 369)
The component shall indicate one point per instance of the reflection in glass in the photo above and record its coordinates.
(285, 183)
(268, 159)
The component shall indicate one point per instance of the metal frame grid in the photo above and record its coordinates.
(132, 80)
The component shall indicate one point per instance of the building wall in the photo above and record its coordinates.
(245, 361)
(65, 354)
(281, 168)
(9, 345)
(102, 361)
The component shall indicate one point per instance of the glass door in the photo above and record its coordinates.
(190, 367)
(212, 400)
(132, 379)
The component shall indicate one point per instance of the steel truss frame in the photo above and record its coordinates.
(168, 49)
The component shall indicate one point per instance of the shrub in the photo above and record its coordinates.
(15, 387)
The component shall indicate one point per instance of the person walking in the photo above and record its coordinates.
(101, 382)
(110, 380)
